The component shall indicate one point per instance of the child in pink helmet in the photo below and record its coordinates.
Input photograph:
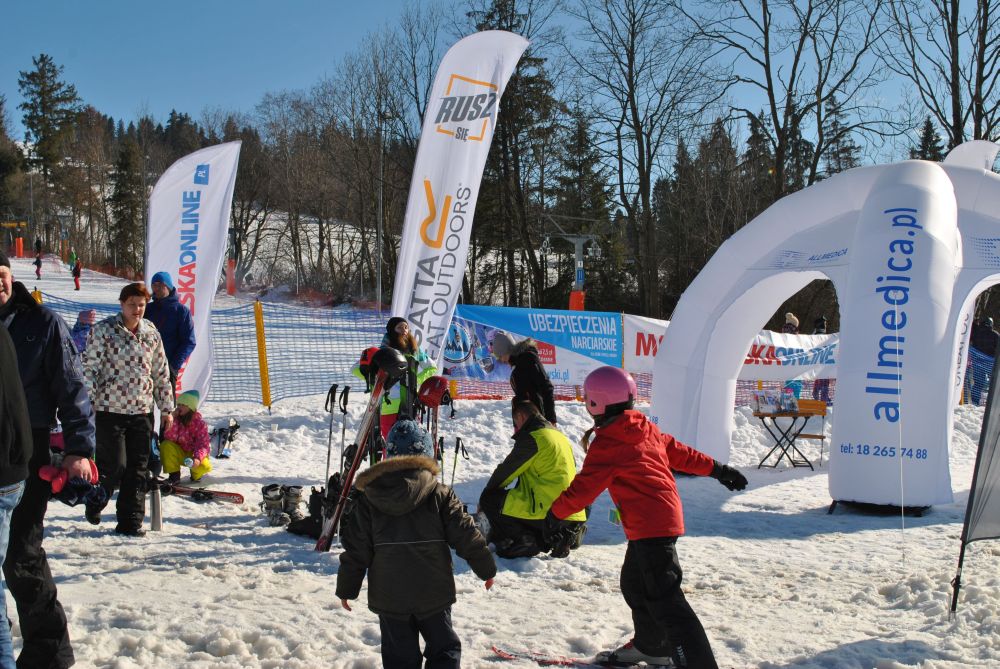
(634, 461)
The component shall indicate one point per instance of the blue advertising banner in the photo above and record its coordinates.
(570, 343)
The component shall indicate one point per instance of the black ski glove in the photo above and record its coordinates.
(728, 476)
(553, 525)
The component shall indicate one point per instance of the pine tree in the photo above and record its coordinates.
(526, 125)
(128, 206)
(842, 153)
(757, 169)
(50, 106)
(182, 135)
(929, 146)
(582, 181)
(10, 160)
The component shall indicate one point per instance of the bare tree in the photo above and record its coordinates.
(802, 58)
(646, 76)
(951, 56)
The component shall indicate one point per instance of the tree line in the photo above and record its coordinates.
(654, 129)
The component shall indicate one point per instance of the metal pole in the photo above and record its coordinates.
(378, 236)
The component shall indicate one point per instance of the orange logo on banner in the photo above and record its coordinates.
(471, 102)
(425, 224)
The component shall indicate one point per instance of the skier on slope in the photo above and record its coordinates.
(633, 460)
(400, 532)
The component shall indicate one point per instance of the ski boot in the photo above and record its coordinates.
(273, 505)
(293, 500)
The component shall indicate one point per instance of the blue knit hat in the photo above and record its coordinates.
(164, 278)
(407, 437)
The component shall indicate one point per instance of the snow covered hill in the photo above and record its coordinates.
(777, 582)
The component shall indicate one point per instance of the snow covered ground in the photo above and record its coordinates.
(776, 581)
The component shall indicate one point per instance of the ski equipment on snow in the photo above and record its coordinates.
(459, 447)
(329, 406)
(343, 426)
(390, 366)
(553, 660)
(226, 436)
(197, 494)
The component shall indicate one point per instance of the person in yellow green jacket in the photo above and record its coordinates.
(400, 400)
(542, 464)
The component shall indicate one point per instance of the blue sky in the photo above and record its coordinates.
(133, 57)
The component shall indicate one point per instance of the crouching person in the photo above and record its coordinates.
(186, 441)
(401, 532)
(542, 465)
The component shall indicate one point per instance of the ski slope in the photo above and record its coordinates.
(777, 582)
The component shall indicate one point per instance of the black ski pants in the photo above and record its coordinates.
(122, 461)
(665, 624)
(401, 642)
(507, 527)
(29, 579)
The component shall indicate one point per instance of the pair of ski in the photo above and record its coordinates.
(197, 493)
(331, 523)
(547, 660)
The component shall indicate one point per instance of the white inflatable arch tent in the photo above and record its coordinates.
(908, 247)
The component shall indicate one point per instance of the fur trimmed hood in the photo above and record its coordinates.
(394, 465)
(523, 346)
(398, 485)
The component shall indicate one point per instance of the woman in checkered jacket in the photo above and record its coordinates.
(127, 372)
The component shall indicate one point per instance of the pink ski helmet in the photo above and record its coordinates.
(609, 390)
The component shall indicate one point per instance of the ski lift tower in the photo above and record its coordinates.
(579, 242)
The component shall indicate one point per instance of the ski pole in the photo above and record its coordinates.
(330, 405)
(439, 456)
(343, 426)
(459, 446)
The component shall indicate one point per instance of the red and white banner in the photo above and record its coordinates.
(773, 356)
(454, 142)
(186, 236)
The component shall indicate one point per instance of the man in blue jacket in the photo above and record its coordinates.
(174, 322)
(52, 376)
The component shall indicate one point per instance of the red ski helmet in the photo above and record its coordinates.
(434, 392)
(365, 363)
(609, 391)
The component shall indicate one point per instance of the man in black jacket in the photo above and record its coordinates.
(15, 449)
(528, 377)
(52, 378)
(984, 339)
(400, 532)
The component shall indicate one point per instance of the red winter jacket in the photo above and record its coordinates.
(632, 459)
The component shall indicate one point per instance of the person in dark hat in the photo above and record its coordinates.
(400, 400)
(174, 323)
(528, 378)
(821, 387)
(400, 534)
(984, 339)
(53, 381)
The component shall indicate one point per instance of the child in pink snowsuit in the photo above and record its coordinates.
(186, 439)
